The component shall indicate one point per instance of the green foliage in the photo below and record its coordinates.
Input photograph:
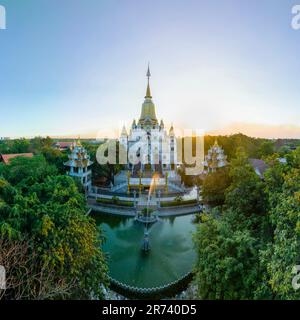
(249, 251)
(228, 245)
(23, 172)
(147, 212)
(115, 202)
(253, 148)
(265, 149)
(115, 199)
(214, 187)
(37, 146)
(102, 173)
(227, 260)
(23, 145)
(46, 210)
(15, 146)
(178, 199)
(282, 252)
(55, 157)
(246, 191)
(231, 144)
(176, 203)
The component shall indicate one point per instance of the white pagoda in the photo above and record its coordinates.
(215, 158)
(151, 151)
(154, 147)
(79, 164)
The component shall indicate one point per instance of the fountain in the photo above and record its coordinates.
(146, 246)
(148, 218)
(167, 257)
(147, 252)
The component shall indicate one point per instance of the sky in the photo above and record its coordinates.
(78, 67)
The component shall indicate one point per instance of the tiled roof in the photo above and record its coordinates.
(78, 163)
(7, 157)
(64, 144)
(259, 166)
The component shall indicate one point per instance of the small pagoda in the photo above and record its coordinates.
(215, 158)
(79, 164)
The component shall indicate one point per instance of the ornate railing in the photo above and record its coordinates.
(166, 291)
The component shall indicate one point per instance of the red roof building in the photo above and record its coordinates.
(63, 145)
(7, 157)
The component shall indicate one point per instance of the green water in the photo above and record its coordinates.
(171, 256)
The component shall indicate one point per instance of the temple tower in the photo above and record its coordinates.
(79, 164)
(215, 158)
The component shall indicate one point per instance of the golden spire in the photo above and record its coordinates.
(79, 142)
(171, 131)
(148, 92)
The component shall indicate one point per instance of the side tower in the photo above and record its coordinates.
(79, 164)
(124, 137)
(215, 158)
(173, 148)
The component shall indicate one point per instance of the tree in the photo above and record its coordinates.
(103, 172)
(46, 211)
(55, 157)
(266, 149)
(18, 146)
(38, 143)
(246, 192)
(227, 260)
(23, 172)
(250, 250)
(282, 253)
(214, 187)
(228, 245)
(26, 278)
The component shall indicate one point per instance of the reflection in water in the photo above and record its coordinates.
(171, 255)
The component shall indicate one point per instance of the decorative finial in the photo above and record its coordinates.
(148, 92)
(171, 132)
(79, 142)
(148, 71)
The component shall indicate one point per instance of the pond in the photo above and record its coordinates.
(171, 253)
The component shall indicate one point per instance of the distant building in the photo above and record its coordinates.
(4, 138)
(63, 146)
(215, 158)
(79, 164)
(259, 167)
(282, 160)
(6, 158)
(290, 144)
